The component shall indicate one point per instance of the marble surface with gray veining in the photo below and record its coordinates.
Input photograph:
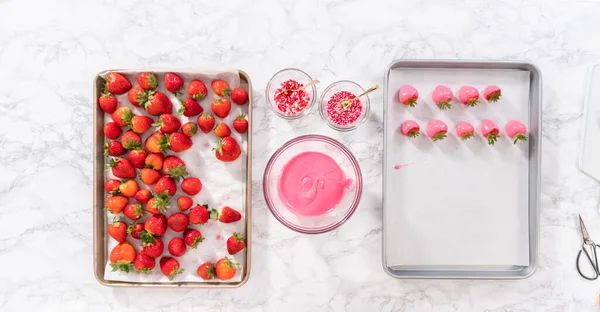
(50, 51)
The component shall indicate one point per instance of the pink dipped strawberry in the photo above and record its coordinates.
(410, 128)
(492, 93)
(468, 95)
(408, 95)
(465, 130)
(437, 129)
(490, 131)
(442, 96)
(516, 130)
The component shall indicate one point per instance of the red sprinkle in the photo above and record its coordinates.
(291, 102)
(336, 112)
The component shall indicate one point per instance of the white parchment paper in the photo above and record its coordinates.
(223, 184)
(452, 202)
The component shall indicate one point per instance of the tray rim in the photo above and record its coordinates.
(99, 219)
(535, 148)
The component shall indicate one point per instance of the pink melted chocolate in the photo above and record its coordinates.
(312, 184)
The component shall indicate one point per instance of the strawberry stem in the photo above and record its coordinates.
(444, 105)
(411, 102)
(439, 136)
(467, 136)
(520, 137)
(492, 138)
(472, 103)
(494, 97)
(413, 133)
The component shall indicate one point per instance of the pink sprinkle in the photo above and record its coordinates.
(343, 116)
(291, 102)
(219, 237)
(205, 145)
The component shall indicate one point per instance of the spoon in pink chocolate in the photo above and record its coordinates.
(313, 82)
(348, 102)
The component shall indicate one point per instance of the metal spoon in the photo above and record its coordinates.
(301, 88)
(347, 102)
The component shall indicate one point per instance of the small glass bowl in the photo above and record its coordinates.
(283, 76)
(334, 217)
(344, 85)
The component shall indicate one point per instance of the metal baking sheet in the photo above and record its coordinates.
(99, 214)
(531, 180)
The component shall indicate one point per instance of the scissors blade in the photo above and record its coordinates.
(584, 232)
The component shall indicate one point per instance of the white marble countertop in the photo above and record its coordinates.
(50, 51)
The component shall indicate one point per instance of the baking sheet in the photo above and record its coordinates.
(453, 204)
(590, 149)
(224, 184)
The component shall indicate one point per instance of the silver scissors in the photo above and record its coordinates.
(589, 249)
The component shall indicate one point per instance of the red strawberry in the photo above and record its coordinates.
(227, 150)
(225, 269)
(184, 203)
(176, 247)
(173, 83)
(178, 142)
(170, 267)
(222, 130)
(112, 131)
(235, 243)
(128, 188)
(142, 196)
(121, 257)
(154, 161)
(165, 186)
(227, 215)
(240, 124)
(122, 168)
(189, 129)
(114, 148)
(133, 211)
(158, 204)
(156, 143)
(156, 224)
(167, 123)
(135, 229)
(192, 237)
(206, 271)
(197, 90)
(199, 214)
(189, 107)
(115, 204)
(137, 96)
(131, 140)
(137, 157)
(239, 96)
(174, 167)
(178, 222)
(122, 115)
(111, 186)
(191, 186)
(151, 246)
(206, 122)
(158, 103)
(221, 107)
(143, 264)
(147, 80)
(140, 124)
(118, 230)
(221, 87)
(149, 176)
(117, 83)
(108, 103)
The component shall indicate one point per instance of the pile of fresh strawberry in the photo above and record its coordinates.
(161, 174)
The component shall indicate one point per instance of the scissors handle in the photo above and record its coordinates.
(592, 258)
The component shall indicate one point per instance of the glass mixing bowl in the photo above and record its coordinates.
(334, 217)
(285, 75)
